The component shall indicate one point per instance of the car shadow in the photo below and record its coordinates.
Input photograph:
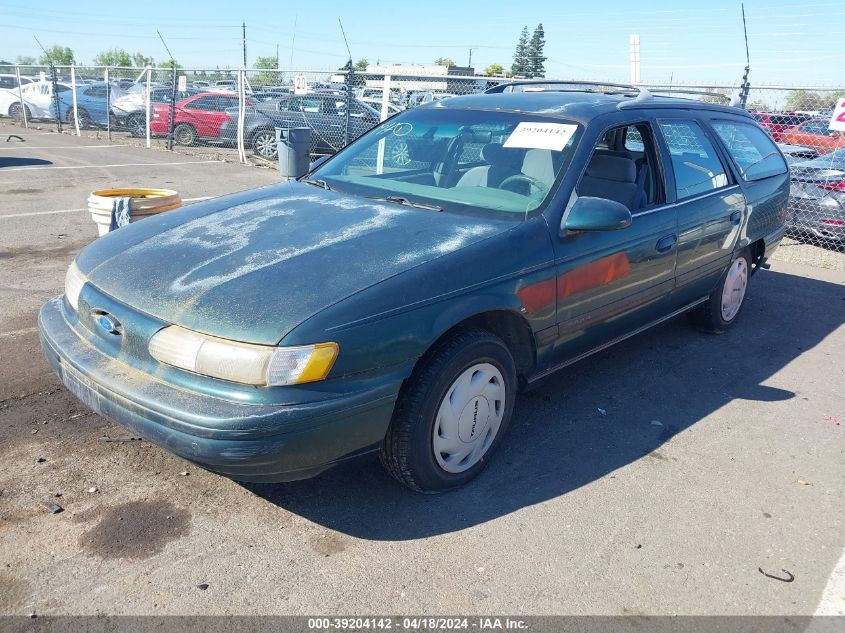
(591, 419)
(22, 161)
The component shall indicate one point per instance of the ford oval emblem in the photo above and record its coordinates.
(107, 323)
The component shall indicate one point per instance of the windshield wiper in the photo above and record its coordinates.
(407, 202)
(317, 182)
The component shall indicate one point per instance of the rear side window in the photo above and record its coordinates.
(695, 162)
(752, 149)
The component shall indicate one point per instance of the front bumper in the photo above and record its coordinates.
(247, 442)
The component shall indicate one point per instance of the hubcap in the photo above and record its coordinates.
(265, 145)
(733, 292)
(400, 154)
(469, 418)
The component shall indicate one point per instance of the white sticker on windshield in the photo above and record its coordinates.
(531, 135)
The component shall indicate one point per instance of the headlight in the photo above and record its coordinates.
(246, 363)
(74, 280)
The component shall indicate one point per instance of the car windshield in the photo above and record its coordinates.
(463, 161)
(831, 160)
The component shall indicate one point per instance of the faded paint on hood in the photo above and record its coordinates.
(252, 266)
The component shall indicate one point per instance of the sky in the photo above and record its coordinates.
(790, 43)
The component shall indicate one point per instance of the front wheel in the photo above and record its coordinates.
(722, 309)
(452, 413)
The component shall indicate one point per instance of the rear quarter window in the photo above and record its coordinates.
(753, 151)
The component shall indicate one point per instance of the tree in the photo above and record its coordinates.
(113, 57)
(361, 66)
(357, 79)
(140, 61)
(494, 69)
(812, 101)
(520, 55)
(536, 60)
(25, 60)
(58, 55)
(444, 61)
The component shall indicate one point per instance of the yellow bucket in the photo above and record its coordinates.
(143, 202)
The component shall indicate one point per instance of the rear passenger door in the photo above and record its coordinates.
(709, 204)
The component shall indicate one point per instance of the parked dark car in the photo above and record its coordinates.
(797, 153)
(324, 113)
(817, 197)
(271, 334)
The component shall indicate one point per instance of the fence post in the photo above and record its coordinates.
(108, 101)
(73, 97)
(385, 98)
(241, 113)
(149, 79)
(55, 82)
(172, 107)
(20, 96)
(350, 80)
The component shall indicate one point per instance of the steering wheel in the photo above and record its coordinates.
(529, 180)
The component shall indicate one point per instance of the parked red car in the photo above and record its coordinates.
(814, 133)
(197, 117)
(776, 123)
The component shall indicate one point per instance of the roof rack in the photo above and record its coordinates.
(640, 93)
(562, 85)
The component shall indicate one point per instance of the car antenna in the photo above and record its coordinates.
(350, 77)
(743, 91)
(172, 93)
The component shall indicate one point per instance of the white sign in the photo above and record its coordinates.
(183, 83)
(837, 121)
(300, 85)
(531, 135)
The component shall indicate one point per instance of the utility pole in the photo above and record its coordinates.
(244, 41)
(470, 57)
(278, 65)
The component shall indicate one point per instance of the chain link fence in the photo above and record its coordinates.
(233, 114)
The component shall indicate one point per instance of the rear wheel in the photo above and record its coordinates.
(137, 124)
(81, 115)
(184, 134)
(452, 413)
(722, 309)
(264, 144)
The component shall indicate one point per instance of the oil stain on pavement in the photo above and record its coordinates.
(138, 529)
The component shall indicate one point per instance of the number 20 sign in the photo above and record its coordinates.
(300, 85)
(837, 121)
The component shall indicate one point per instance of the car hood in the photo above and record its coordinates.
(252, 266)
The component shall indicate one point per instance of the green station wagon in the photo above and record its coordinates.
(369, 306)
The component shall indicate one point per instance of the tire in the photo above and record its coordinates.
(136, 123)
(184, 134)
(15, 111)
(82, 115)
(264, 144)
(470, 375)
(722, 309)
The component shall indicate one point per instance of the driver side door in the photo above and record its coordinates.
(611, 282)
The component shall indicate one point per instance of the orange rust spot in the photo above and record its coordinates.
(592, 275)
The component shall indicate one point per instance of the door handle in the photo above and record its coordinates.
(736, 216)
(665, 243)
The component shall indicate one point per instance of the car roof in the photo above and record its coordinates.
(574, 104)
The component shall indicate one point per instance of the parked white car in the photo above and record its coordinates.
(374, 103)
(37, 97)
(9, 97)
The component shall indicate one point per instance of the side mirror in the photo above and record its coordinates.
(318, 162)
(596, 214)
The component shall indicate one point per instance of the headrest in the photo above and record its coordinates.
(612, 168)
(497, 154)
